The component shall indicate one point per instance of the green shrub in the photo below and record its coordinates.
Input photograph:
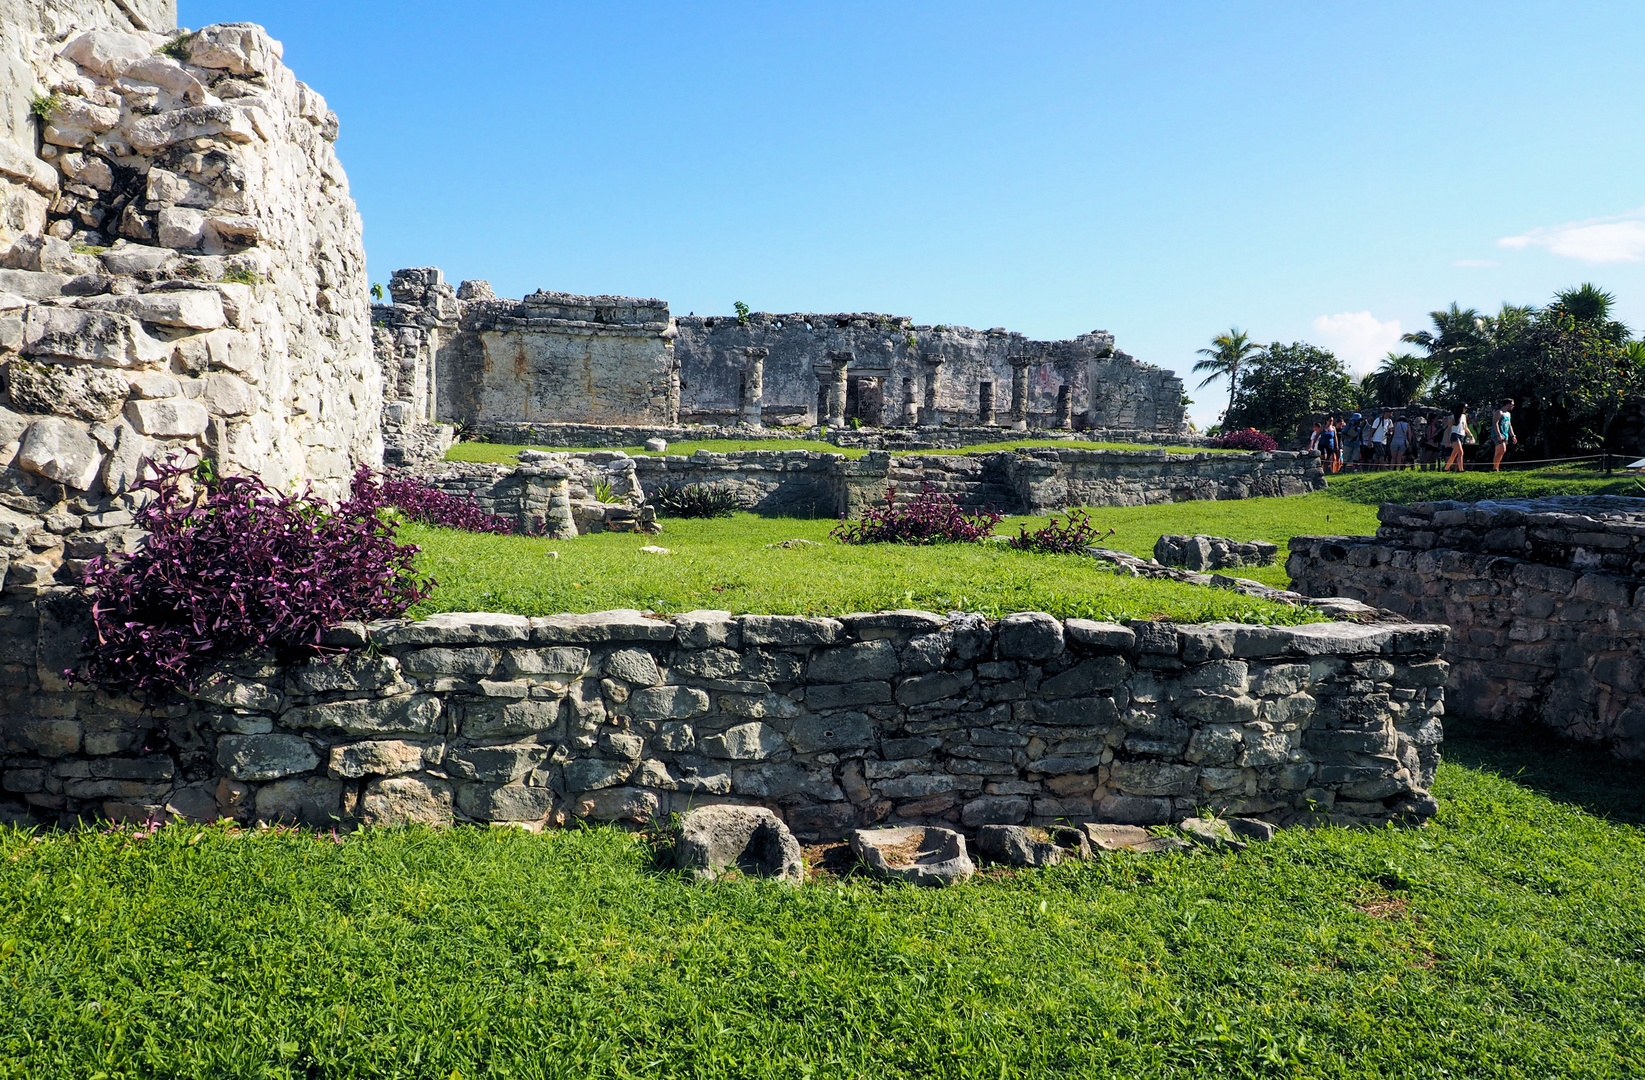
(695, 501)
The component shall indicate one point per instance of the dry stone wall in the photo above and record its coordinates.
(1545, 598)
(195, 284)
(886, 717)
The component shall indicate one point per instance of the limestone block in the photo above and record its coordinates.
(472, 661)
(495, 764)
(565, 660)
(511, 719)
(667, 703)
(265, 757)
(592, 774)
(633, 665)
(920, 856)
(418, 714)
(633, 805)
(125, 462)
(1100, 634)
(107, 52)
(749, 839)
(312, 800)
(151, 133)
(60, 450)
(377, 757)
(168, 417)
(191, 309)
(461, 628)
(85, 392)
(238, 48)
(788, 630)
(136, 258)
(1030, 635)
(510, 802)
(181, 228)
(838, 731)
(853, 663)
(24, 167)
(102, 337)
(32, 284)
(1025, 845)
(79, 113)
(745, 742)
(417, 799)
(621, 625)
(231, 692)
(166, 73)
(1213, 833)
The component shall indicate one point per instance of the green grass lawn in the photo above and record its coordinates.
(1506, 939)
(732, 563)
(503, 453)
(1477, 483)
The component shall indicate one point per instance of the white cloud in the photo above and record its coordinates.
(1597, 240)
(1359, 339)
(1476, 262)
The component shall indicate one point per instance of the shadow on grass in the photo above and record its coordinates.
(1567, 772)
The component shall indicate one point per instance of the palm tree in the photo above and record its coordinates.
(1455, 330)
(1586, 303)
(1401, 379)
(1223, 359)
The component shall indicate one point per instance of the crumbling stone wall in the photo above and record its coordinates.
(891, 361)
(901, 716)
(196, 285)
(1545, 598)
(556, 357)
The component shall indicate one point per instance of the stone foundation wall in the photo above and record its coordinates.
(952, 437)
(1545, 598)
(834, 723)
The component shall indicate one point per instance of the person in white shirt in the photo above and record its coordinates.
(1379, 435)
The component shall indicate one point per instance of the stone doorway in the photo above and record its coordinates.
(865, 399)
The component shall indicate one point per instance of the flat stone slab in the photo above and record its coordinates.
(717, 839)
(920, 855)
(1109, 839)
(1027, 845)
(1213, 833)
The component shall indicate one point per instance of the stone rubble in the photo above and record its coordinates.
(1201, 552)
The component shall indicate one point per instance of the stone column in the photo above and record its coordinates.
(929, 416)
(1019, 392)
(985, 404)
(753, 386)
(1065, 408)
(836, 387)
(910, 407)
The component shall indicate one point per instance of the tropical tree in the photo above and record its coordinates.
(1228, 352)
(1456, 330)
(1400, 379)
(1285, 385)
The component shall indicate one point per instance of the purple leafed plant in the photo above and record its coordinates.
(228, 567)
(929, 518)
(1244, 439)
(427, 505)
(1057, 538)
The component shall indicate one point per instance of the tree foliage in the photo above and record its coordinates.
(1569, 366)
(1228, 353)
(1284, 385)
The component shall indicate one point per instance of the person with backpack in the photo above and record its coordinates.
(1399, 441)
(1350, 436)
(1502, 433)
(1457, 437)
(1433, 441)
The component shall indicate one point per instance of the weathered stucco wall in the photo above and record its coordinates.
(834, 723)
(554, 357)
(1545, 598)
(891, 359)
(199, 285)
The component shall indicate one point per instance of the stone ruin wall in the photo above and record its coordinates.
(895, 717)
(510, 367)
(194, 281)
(1545, 598)
(891, 360)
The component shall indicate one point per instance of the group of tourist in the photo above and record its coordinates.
(1411, 438)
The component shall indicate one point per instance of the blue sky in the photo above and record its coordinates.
(1322, 171)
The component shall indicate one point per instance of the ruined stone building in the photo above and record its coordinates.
(462, 356)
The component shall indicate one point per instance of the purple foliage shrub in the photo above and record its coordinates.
(1057, 538)
(1244, 439)
(427, 505)
(929, 518)
(229, 566)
